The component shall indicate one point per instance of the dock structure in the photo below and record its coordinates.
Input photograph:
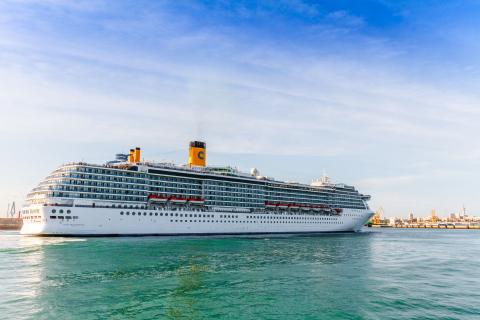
(459, 220)
(428, 226)
(438, 226)
(10, 223)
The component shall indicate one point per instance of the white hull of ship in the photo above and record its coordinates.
(110, 222)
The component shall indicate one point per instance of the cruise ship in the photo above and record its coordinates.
(131, 196)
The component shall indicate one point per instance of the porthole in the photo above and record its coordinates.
(61, 211)
(53, 210)
(121, 212)
(68, 211)
(128, 213)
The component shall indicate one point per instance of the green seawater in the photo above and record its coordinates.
(375, 274)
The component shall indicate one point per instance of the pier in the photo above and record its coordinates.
(453, 221)
(10, 223)
(426, 226)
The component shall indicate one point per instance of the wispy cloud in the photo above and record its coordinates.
(342, 17)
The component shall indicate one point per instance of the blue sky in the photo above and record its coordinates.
(380, 94)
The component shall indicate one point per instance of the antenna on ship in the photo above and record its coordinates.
(325, 178)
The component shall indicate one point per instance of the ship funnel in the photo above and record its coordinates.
(131, 156)
(136, 155)
(197, 154)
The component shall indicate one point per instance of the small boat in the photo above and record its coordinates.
(196, 201)
(269, 204)
(178, 200)
(157, 199)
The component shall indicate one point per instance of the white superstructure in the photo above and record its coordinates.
(134, 197)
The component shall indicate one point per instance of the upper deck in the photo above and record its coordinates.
(219, 186)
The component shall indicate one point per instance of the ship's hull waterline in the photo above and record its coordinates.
(115, 222)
